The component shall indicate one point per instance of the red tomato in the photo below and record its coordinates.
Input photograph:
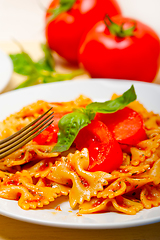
(49, 135)
(64, 32)
(104, 54)
(105, 153)
(126, 125)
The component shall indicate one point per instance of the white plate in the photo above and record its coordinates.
(6, 68)
(98, 90)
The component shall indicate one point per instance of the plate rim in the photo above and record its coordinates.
(120, 225)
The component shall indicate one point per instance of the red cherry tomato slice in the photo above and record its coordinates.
(49, 135)
(126, 125)
(105, 153)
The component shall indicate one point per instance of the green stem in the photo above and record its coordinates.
(32, 80)
(64, 6)
(118, 30)
(57, 77)
(49, 77)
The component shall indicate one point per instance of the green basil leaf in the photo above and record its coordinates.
(42, 64)
(69, 126)
(23, 64)
(114, 105)
(47, 63)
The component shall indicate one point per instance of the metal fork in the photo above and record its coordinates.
(26, 134)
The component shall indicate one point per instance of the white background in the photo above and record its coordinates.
(24, 19)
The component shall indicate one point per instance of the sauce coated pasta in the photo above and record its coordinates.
(35, 175)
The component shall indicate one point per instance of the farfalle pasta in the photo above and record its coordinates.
(35, 175)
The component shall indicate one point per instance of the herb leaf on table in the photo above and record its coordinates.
(42, 71)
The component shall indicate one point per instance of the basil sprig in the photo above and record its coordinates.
(42, 71)
(70, 124)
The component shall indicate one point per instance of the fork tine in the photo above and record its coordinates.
(23, 129)
(29, 133)
(26, 134)
(21, 144)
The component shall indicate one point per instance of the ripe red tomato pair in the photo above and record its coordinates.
(64, 32)
(119, 48)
